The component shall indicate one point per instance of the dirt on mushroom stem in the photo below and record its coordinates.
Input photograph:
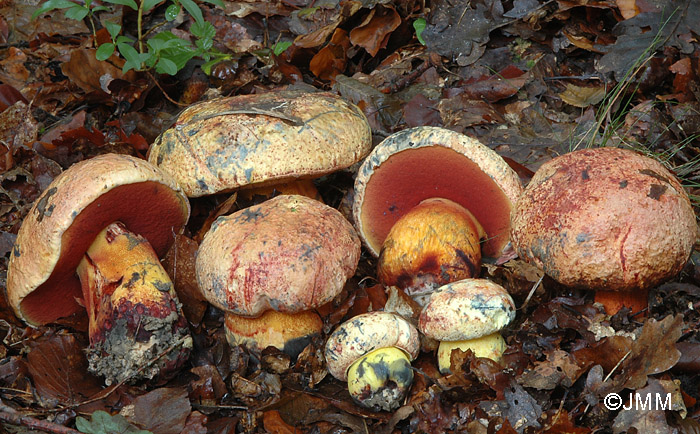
(134, 314)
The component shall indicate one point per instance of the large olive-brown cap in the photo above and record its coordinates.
(290, 254)
(424, 162)
(365, 333)
(42, 285)
(228, 143)
(605, 218)
(466, 309)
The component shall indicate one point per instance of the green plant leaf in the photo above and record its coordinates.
(166, 66)
(150, 4)
(131, 3)
(205, 35)
(133, 59)
(419, 26)
(280, 47)
(103, 423)
(215, 2)
(104, 51)
(172, 12)
(51, 5)
(112, 28)
(208, 65)
(191, 7)
(77, 12)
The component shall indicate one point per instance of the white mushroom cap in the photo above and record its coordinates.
(365, 333)
(466, 309)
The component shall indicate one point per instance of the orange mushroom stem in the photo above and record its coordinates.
(435, 243)
(133, 311)
(613, 301)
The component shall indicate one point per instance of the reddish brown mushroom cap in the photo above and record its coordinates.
(424, 162)
(605, 218)
(42, 285)
(229, 143)
(290, 254)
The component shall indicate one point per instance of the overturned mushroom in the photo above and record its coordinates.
(428, 162)
(373, 352)
(290, 254)
(93, 238)
(605, 219)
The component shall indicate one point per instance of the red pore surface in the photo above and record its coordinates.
(412, 175)
(149, 209)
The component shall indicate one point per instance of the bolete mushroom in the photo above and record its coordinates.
(373, 353)
(93, 239)
(255, 140)
(290, 254)
(434, 243)
(467, 314)
(422, 163)
(605, 219)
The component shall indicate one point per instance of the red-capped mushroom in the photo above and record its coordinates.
(289, 254)
(605, 219)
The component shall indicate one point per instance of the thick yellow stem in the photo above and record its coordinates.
(133, 311)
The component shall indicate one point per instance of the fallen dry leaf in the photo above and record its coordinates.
(161, 411)
(373, 33)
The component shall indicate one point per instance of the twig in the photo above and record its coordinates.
(165, 94)
(532, 292)
(12, 416)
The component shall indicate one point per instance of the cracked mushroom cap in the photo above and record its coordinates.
(424, 162)
(365, 333)
(605, 218)
(290, 254)
(466, 309)
(42, 284)
(254, 140)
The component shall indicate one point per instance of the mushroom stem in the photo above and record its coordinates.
(133, 311)
(613, 301)
(490, 346)
(289, 332)
(381, 379)
(435, 243)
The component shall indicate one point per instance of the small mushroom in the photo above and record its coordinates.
(290, 254)
(434, 243)
(467, 314)
(608, 220)
(373, 352)
(256, 140)
(92, 241)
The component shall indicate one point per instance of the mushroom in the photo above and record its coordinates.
(93, 239)
(373, 353)
(290, 254)
(421, 163)
(257, 140)
(434, 243)
(605, 219)
(467, 315)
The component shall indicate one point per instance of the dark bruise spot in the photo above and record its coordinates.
(393, 208)
(467, 261)
(404, 280)
(135, 277)
(623, 184)
(253, 215)
(429, 264)
(15, 251)
(294, 347)
(654, 175)
(656, 191)
(162, 286)
(41, 205)
(309, 251)
(202, 185)
(584, 175)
